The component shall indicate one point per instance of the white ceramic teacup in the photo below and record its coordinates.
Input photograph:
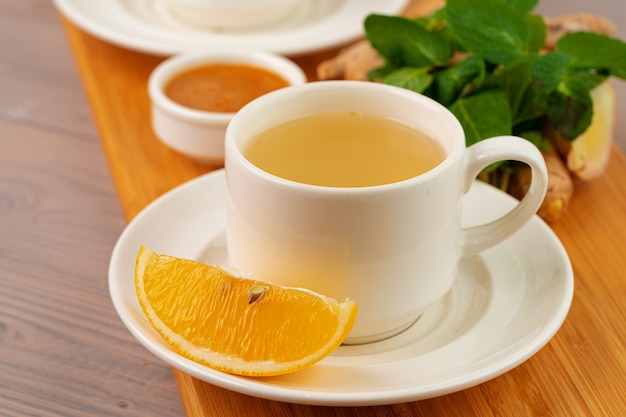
(392, 248)
(231, 14)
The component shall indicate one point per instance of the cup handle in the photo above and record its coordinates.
(501, 148)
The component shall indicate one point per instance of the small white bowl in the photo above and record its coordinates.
(196, 133)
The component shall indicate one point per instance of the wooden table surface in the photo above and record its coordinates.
(72, 175)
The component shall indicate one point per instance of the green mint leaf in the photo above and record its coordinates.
(595, 52)
(440, 15)
(381, 72)
(537, 139)
(403, 42)
(557, 68)
(538, 33)
(522, 6)
(489, 28)
(451, 82)
(550, 69)
(566, 99)
(437, 23)
(483, 115)
(414, 79)
(434, 22)
(522, 94)
(426, 22)
(587, 80)
(569, 108)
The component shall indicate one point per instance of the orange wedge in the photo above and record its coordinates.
(237, 325)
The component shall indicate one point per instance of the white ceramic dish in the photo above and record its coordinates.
(232, 13)
(148, 26)
(200, 134)
(505, 305)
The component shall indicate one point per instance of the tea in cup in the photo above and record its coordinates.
(355, 190)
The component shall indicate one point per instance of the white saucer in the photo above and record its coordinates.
(505, 306)
(148, 26)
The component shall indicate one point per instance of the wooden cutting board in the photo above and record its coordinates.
(581, 372)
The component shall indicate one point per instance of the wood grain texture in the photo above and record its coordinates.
(37, 77)
(575, 374)
(63, 350)
(580, 372)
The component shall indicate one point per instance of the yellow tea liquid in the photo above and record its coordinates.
(344, 150)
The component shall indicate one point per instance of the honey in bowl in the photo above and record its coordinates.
(223, 88)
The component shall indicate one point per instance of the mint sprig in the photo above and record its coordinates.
(483, 60)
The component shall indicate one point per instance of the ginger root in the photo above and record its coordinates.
(560, 186)
(352, 63)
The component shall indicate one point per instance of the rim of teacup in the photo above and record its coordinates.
(234, 154)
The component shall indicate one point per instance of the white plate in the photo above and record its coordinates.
(148, 26)
(506, 304)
